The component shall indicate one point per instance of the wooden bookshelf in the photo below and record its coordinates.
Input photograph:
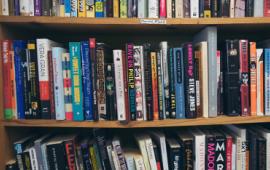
(138, 124)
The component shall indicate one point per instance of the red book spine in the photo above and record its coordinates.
(7, 84)
(244, 87)
(162, 9)
(229, 153)
(51, 85)
(266, 8)
(70, 155)
(126, 85)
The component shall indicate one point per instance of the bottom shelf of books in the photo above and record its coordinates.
(160, 148)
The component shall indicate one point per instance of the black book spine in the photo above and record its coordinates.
(219, 8)
(249, 8)
(51, 105)
(157, 156)
(231, 78)
(261, 154)
(189, 154)
(173, 156)
(110, 92)
(252, 138)
(172, 85)
(220, 153)
(210, 152)
(214, 8)
(134, 12)
(26, 160)
(225, 8)
(190, 91)
(109, 8)
(148, 81)
(46, 8)
(86, 157)
(201, 8)
(34, 81)
(57, 156)
(186, 8)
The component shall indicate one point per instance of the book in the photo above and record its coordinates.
(161, 93)
(174, 153)
(266, 8)
(139, 163)
(119, 152)
(99, 8)
(116, 8)
(109, 8)
(186, 141)
(197, 74)
(81, 8)
(140, 139)
(123, 8)
(51, 86)
(153, 8)
(90, 8)
(239, 9)
(258, 6)
(186, 11)
(260, 82)
(171, 66)
(129, 157)
(179, 9)
(75, 60)
(165, 8)
(5, 8)
(207, 9)
(249, 8)
(154, 75)
(220, 150)
(194, 9)
(200, 148)
(67, 8)
(266, 81)
(214, 8)
(144, 110)
(142, 9)
(73, 8)
(253, 78)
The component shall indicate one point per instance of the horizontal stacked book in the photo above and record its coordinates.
(226, 147)
(88, 80)
(137, 8)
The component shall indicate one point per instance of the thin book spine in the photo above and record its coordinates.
(161, 99)
(267, 81)
(90, 8)
(260, 82)
(99, 6)
(51, 86)
(172, 85)
(253, 78)
(155, 88)
(73, 8)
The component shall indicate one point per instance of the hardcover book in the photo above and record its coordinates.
(155, 88)
(90, 8)
(267, 81)
(153, 8)
(253, 78)
(51, 86)
(171, 66)
(260, 82)
(99, 7)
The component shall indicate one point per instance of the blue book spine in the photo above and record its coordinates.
(179, 82)
(267, 81)
(16, 7)
(75, 58)
(67, 8)
(73, 8)
(99, 6)
(19, 47)
(87, 82)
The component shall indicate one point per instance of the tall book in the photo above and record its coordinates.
(161, 95)
(239, 9)
(260, 82)
(258, 6)
(5, 8)
(179, 82)
(58, 83)
(51, 85)
(220, 150)
(171, 66)
(253, 78)
(244, 79)
(13, 80)
(179, 8)
(194, 9)
(186, 141)
(90, 8)
(126, 94)
(266, 8)
(209, 34)
(186, 9)
(165, 9)
(81, 8)
(67, 8)
(189, 81)
(224, 8)
(75, 60)
(153, 8)
(141, 49)
(207, 9)
(214, 8)
(99, 7)
(154, 75)
(249, 8)
(197, 75)
(142, 9)
(267, 81)
(119, 152)
(199, 147)
(74, 8)
(116, 8)
(174, 153)
(123, 8)
(219, 83)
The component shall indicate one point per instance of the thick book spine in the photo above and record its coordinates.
(186, 11)
(266, 8)
(109, 8)
(210, 152)
(148, 82)
(161, 98)
(267, 81)
(81, 8)
(67, 86)
(74, 8)
(101, 93)
(99, 7)
(155, 89)
(188, 154)
(244, 73)
(261, 154)
(16, 7)
(239, 8)
(70, 153)
(58, 83)
(153, 9)
(51, 87)
(207, 9)
(131, 80)
(172, 84)
(137, 54)
(123, 8)
(258, 6)
(229, 142)
(37, 8)
(34, 82)
(142, 9)
(249, 8)
(189, 81)
(165, 7)
(110, 92)
(201, 8)
(179, 9)
(225, 8)
(179, 82)
(125, 77)
(194, 9)
(116, 8)
(86, 80)
(33, 158)
(5, 8)
(11, 8)
(7, 82)
(67, 8)
(119, 153)
(85, 156)
(260, 82)
(46, 8)
(198, 71)
(90, 8)
(253, 78)
(214, 8)
(75, 59)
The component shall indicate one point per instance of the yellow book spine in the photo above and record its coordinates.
(207, 14)
(62, 10)
(93, 158)
(81, 8)
(116, 8)
(90, 8)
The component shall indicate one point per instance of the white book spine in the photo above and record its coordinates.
(200, 152)
(109, 152)
(258, 6)
(179, 8)
(33, 158)
(119, 83)
(232, 4)
(169, 8)
(5, 9)
(194, 9)
(115, 160)
(24, 8)
(143, 85)
(142, 8)
(153, 8)
(259, 90)
(139, 162)
(233, 157)
(42, 54)
(31, 8)
(143, 150)
(150, 153)
(164, 153)
(130, 162)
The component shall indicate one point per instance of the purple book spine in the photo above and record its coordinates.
(16, 7)
(37, 7)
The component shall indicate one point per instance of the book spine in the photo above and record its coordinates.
(137, 55)
(81, 8)
(116, 8)
(13, 85)
(119, 84)
(61, 8)
(16, 7)
(179, 9)
(172, 85)
(110, 7)
(90, 8)
(26, 83)
(67, 86)
(207, 9)
(46, 8)
(188, 153)
(260, 82)
(186, 4)
(110, 155)
(244, 87)
(261, 154)
(194, 9)
(166, 81)
(24, 8)
(225, 8)
(218, 83)
(110, 92)
(99, 6)
(67, 8)
(117, 148)
(101, 93)
(150, 153)
(58, 83)
(253, 78)
(266, 9)
(153, 9)
(220, 152)
(51, 87)
(85, 156)
(165, 7)
(267, 81)
(155, 88)
(105, 8)
(239, 8)
(73, 8)
(123, 8)
(75, 60)
(249, 8)
(34, 82)
(86, 80)
(200, 151)
(129, 8)
(229, 143)
(161, 98)
(190, 96)
(70, 152)
(55, 4)
(10, 8)
(198, 71)
(214, 8)
(26, 160)
(179, 82)
(173, 8)
(5, 8)
(7, 82)
(201, 8)
(144, 111)
(148, 82)
(210, 153)
(142, 9)
(33, 158)
(258, 6)
(93, 157)
(52, 157)
(135, 8)
(126, 94)
(37, 8)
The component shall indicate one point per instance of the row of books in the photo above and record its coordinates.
(137, 8)
(91, 81)
(227, 147)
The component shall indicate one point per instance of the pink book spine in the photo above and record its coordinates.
(162, 9)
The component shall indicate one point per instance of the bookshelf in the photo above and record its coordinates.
(12, 27)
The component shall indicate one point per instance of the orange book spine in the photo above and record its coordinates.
(253, 79)
(153, 56)
(13, 85)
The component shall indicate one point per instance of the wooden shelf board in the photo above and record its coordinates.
(137, 124)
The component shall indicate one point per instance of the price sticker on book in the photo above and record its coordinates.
(153, 21)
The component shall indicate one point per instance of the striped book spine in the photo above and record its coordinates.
(67, 8)
(99, 4)
(87, 82)
(67, 86)
(267, 81)
(75, 58)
